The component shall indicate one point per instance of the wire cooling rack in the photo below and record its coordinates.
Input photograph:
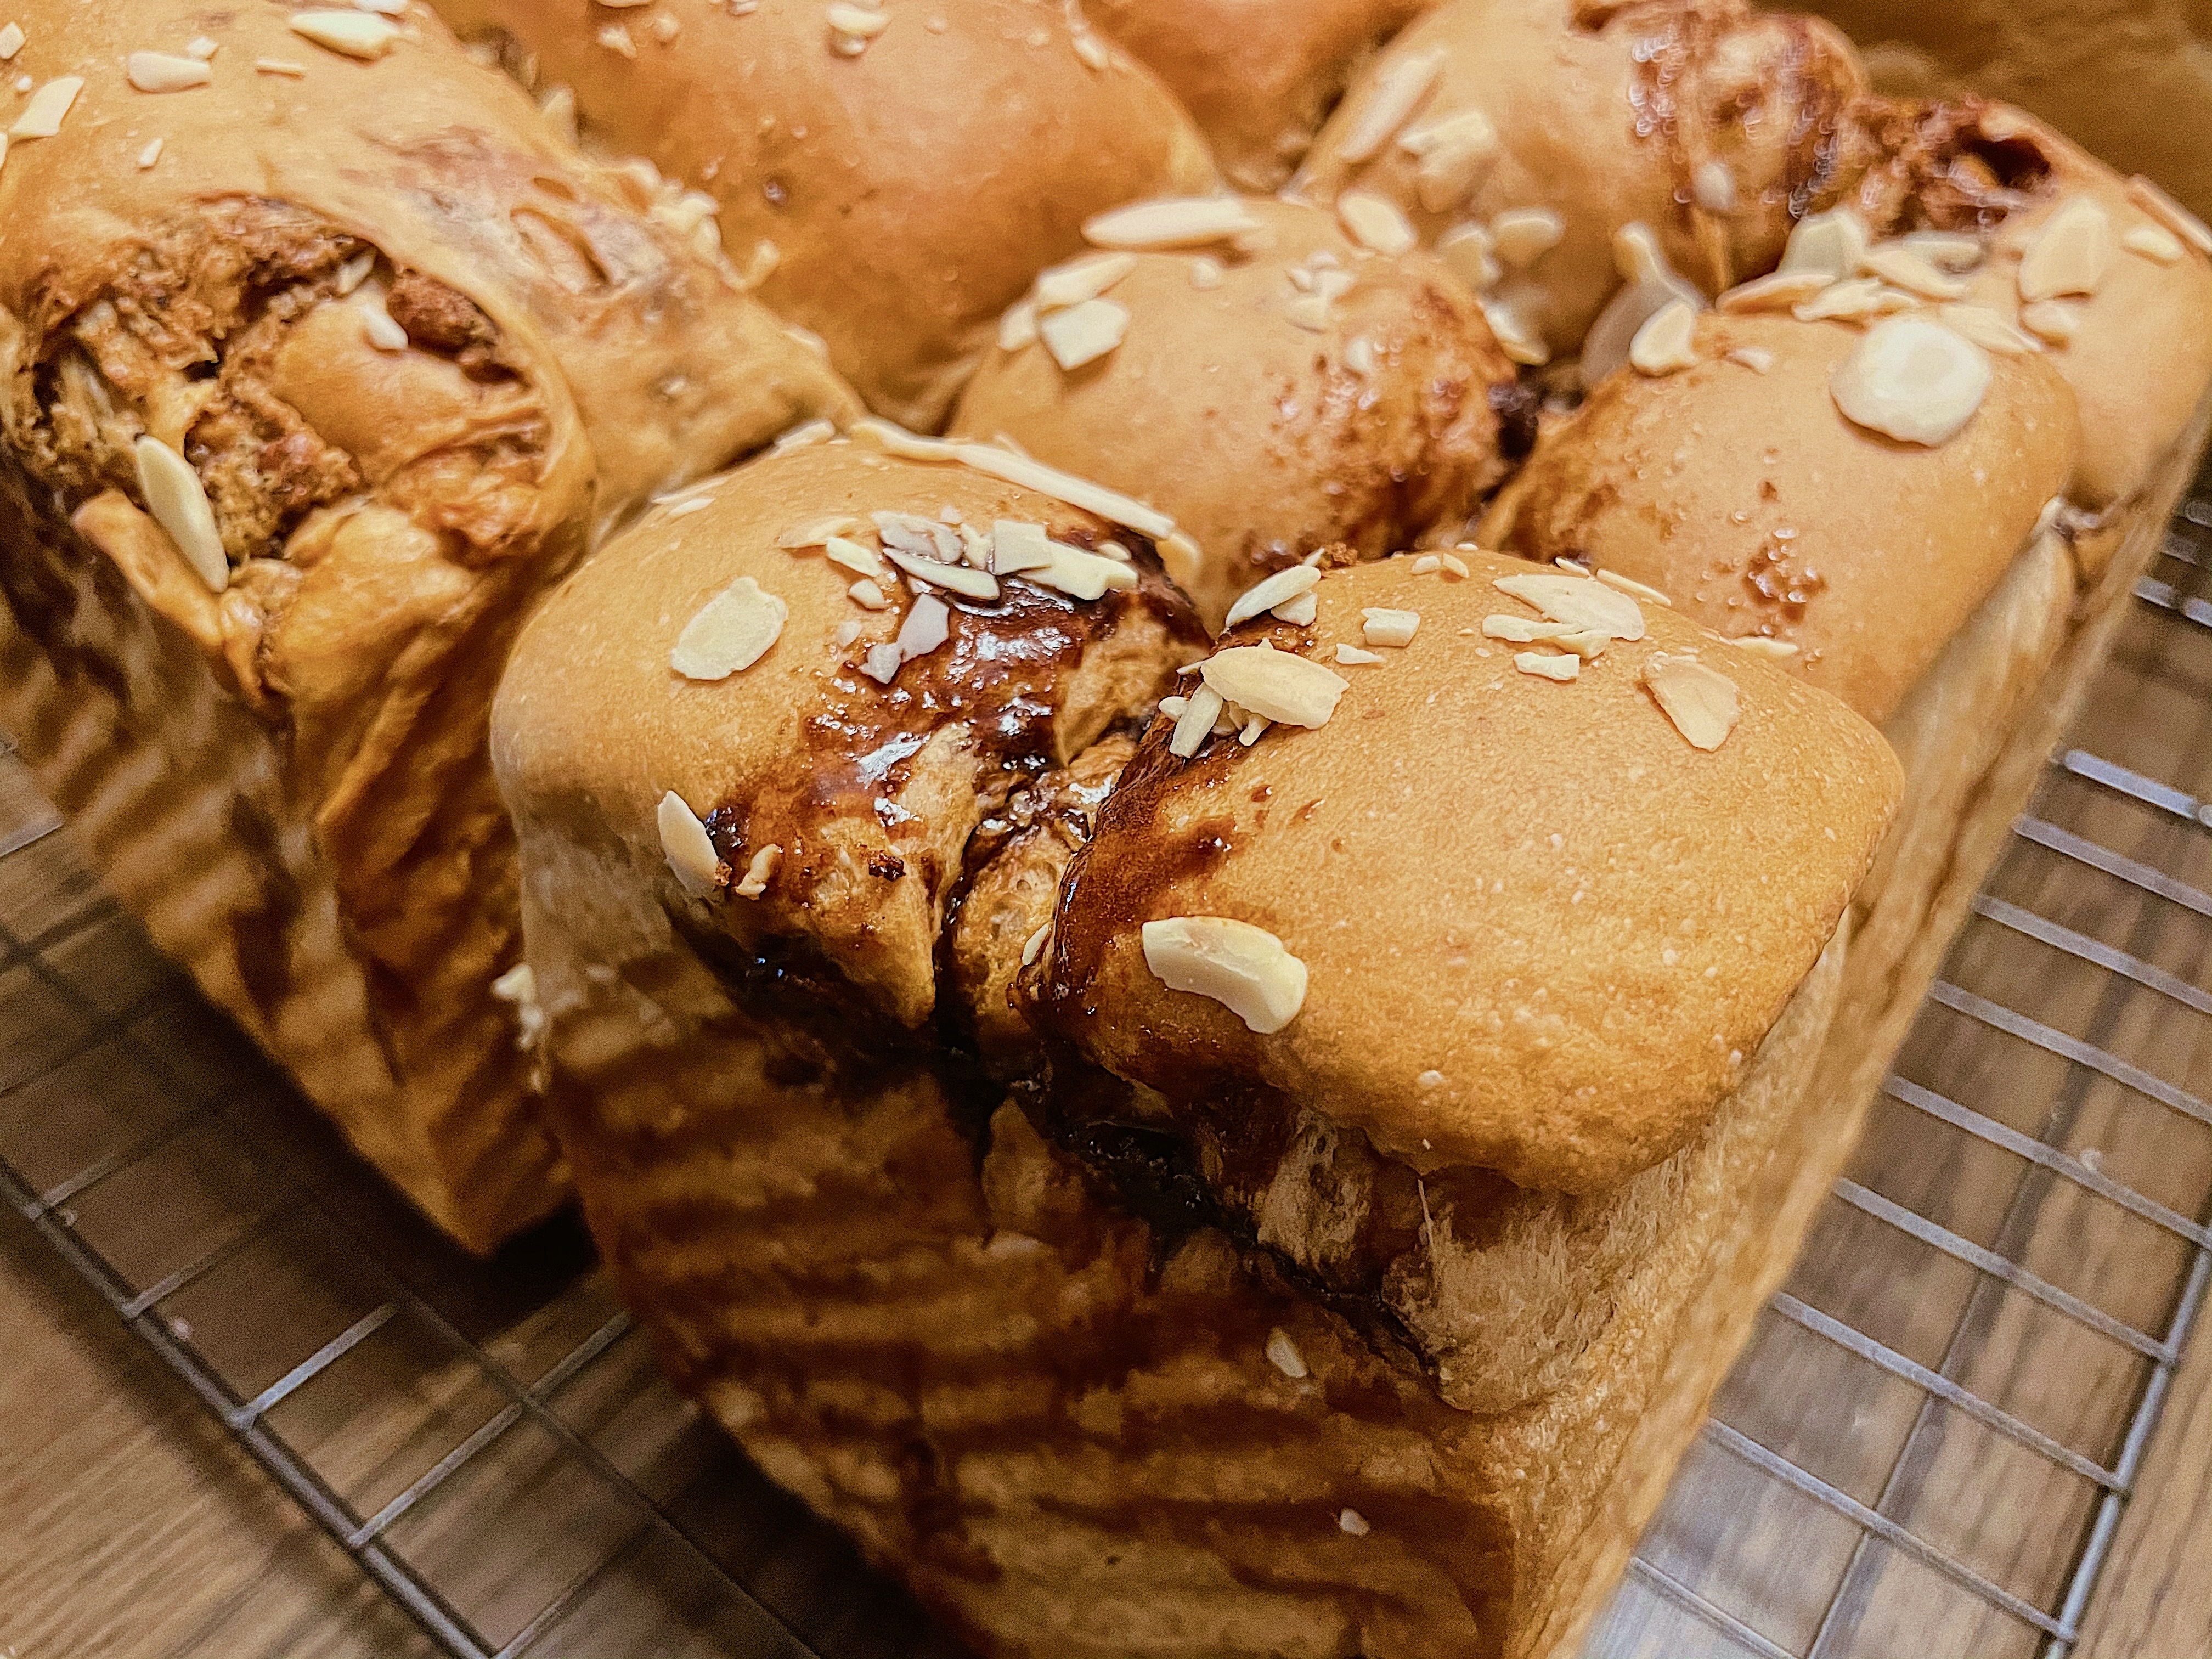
(1926, 1448)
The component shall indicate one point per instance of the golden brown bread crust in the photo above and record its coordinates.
(386, 515)
(1573, 1016)
(1604, 114)
(908, 191)
(1746, 496)
(1265, 436)
(1258, 77)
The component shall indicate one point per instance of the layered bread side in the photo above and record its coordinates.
(325, 357)
(899, 1204)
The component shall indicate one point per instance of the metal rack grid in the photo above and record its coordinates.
(1926, 1448)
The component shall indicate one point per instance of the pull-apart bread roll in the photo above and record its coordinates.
(891, 177)
(1254, 369)
(323, 359)
(1259, 76)
(1518, 137)
(1094, 1194)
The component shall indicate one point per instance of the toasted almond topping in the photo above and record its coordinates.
(1634, 589)
(1291, 690)
(760, 872)
(1081, 576)
(818, 532)
(1091, 50)
(43, 116)
(1206, 272)
(1247, 970)
(177, 503)
(1987, 330)
(147, 156)
(161, 71)
(731, 632)
(1665, 343)
(1380, 625)
(2146, 195)
(1516, 335)
(1396, 94)
(1472, 251)
(1351, 656)
(1375, 221)
(1454, 154)
(1712, 187)
(351, 34)
(928, 624)
(926, 539)
(382, 329)
(961, 579)
(1760, 646)
(1953, 251)
(1639, 256)
(881, 663)
(1454, 565)
(2071, 254)
(685, 509)
(1756, 359)
(1780, 291)
(1427, 565)
(1081, 279)
(858, 21)
(1912, 380)
(1254, 730)
(1579, 601)
(1171, 221)
(847, 631)
(1702, 701)
(1182, 557)
(1853, 300)
(868, 595)
(855, 556)
(1017, 545)
(1083, 333)
(1519, 630)
(1017, 326)
(1353, 1522)
(517, 985)
(1901, 267)
(11, 42)
(1311, 312)
(1524, 235)
(1194, 722)
(1831, 243)
(685, 844)
(1079, 493)
(355, 271)
(1033, 947)
(283, 66)
(665, 27)
(558, 109)
(2054, 320)
(1300, 611)
(2154, 244)
(1360, 356)
(1173, 707)
(1546, 666)
(1269, 591)
(616, 37)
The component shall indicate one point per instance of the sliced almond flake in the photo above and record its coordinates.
(1382, 625)
(1083, 333)
(1900, 267)
(1375, 221)
(958, 578)
(1778, 291)
(1988, 330)
(1300, 611)
(1702, 701)
(2054, 320)
(1081, 576)
(1455, 153)
(1171, 221)
(1033, 947)
(760, 871)
(147, 156)
(357, 34)
(1524, 235)
(730, 633)
(1019, 545)
(1359, 357)
(868, 595)
(818, 532)
(161, 71)
(1546, 666)
(1520, 342)
(1353, 1522)
(1831, 243)
(926, 539)
(1277, 684)
(2153, 243)
(1427, 565)
(1182, 557)
(1196, 723)
(558, 109)
(1588, 643)
(1712, 187)
(283, 66)
(856, 557)
(1351, 656)
(1852, 300)
(1206, 272)
(1283, 1354)
(1247, 970)
(1639, 256)
(1579, 601)
(1519, 630)
(1079, 493)
(355, 271)
(1634, 589)
(1173, 707)
(1756, 359)
(1312, 313)
(1665, 343)
(2146, 195)
(616, 37)
(1454, 565)
(687, 847)
(2070, 253)
(881, 663)
(178, 501)
(845, 633)
(685, 509)
(804, 435)
(1396, 93)
(382, 329)
(1271, 591)
(859, 21)
(1955, 251)
(1760, 646)
(928, 624)
(49, 107)
(1472, 251)
(1252, 730)
(1081, 279)
(1912, 380)
(11, 42)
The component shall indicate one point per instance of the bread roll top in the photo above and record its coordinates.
(815, 803)
(1538, 931)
